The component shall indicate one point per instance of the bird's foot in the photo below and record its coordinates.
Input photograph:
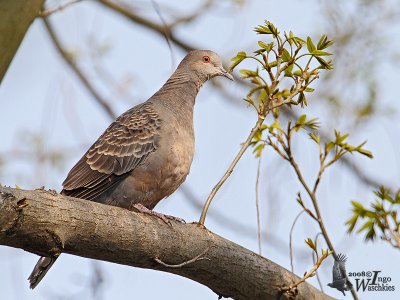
(166, 218)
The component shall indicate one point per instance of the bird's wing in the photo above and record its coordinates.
(120, 149)
(341, 261)
(336, 272)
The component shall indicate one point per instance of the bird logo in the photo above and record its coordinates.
(340, 281)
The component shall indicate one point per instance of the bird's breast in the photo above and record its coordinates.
(180, 155)
(163, 171)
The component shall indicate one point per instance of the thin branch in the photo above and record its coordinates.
(197, 12)
(48, 12)
(291, 240)
(160, 29)
(258, 207)
(313, 259)
(261, 117)
(242, 150)
(308, 274)
(78, 72)
(314, 200)
(194, 259)
(167, 32)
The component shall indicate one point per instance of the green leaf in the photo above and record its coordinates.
(258, 149)
(298, 73)
(302, 99)
(258, 136)
(315, 138)
(365, 152)
(321, 41)
(397, 197)
(325, 65)
(300, 41)
(311, 244)
(320, 53)
(237, 59)
(288, 70)
(324, 43)
(367, 225)
(272, 28)
(371, 234)
(357, 205)
(310, 45)
(299, 200)
(341, 138)
(286, 56)
(248, 73)
(301, 119)
(352, 223)
(263, 30)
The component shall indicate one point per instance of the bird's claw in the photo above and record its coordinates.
(165, 218)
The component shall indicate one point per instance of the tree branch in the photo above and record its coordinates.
(46, 223)
(70, 61)
(160, 29)
(53, 10)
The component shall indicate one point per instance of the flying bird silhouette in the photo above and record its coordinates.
(340, 281)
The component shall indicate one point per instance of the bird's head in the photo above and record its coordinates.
(203, 65)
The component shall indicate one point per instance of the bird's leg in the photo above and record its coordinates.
(166, 218)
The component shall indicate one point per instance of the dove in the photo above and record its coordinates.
(146, 153)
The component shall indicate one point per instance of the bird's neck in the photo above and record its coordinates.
(179, 92)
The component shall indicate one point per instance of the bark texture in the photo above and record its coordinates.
(44, 222)
(15, 18)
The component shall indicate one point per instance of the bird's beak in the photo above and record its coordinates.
(226, 74)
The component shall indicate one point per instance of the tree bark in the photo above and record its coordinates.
(15, 18)
(46, 223)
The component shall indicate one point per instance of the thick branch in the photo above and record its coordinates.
(44, 222)
(15, 18)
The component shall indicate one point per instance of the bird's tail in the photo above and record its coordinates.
(40, 269)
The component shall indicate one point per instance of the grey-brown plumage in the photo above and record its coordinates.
(146, 153)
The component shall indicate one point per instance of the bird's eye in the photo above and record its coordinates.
(206, 59)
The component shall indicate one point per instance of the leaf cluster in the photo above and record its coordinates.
(382, 216)
(284, 73)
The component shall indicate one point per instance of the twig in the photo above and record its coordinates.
(313, 258)
(167, 32)
(314, 200)
(48, 12)
(128, 13)
(261, 117)
(194, 259)
(242, 150)
(291, 240)
(78, 72)
(308, 274)
(197, 12)
(258, 207)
